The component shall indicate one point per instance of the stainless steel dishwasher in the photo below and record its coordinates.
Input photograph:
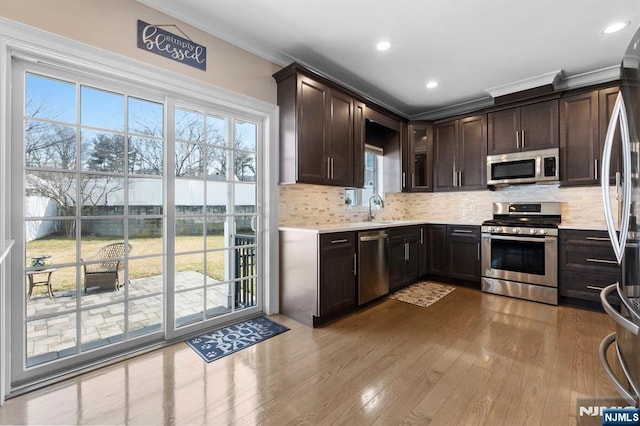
(373, 265)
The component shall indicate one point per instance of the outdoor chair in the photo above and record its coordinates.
(105, 268)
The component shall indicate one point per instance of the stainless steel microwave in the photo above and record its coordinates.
(523, 167)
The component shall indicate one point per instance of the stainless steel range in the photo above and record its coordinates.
(520, 251)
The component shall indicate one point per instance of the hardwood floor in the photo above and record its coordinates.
(470, 358)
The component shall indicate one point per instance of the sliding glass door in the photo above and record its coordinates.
(138, 218)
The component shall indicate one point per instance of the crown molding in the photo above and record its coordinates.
(590, 78)
(528, 83)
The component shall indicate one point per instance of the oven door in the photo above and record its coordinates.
(525, 259)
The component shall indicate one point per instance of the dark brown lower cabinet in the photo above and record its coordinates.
(436, 247)
(463, 252)
(586, 264)
(453, 252)
(404, 249)
(337, 273)
(317, 275)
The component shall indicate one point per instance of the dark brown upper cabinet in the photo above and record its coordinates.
(460, 151)
(420, 157)
(584, 119)
(524, 128)
(321, 131)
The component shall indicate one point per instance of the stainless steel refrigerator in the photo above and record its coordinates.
(624, 228)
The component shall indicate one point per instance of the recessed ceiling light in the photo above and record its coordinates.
(383, 45)
(615, 27)
(432, 84)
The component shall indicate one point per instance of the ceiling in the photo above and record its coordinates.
(473, 49)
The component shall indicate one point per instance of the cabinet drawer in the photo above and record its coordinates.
(338, 239)
(574, 236)
(463, 231)
(585, 286)
(588, 258)
(402, 232)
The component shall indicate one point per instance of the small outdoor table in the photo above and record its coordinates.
(41, 282)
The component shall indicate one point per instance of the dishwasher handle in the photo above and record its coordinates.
(373, 237)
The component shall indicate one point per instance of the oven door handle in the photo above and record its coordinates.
(526, 239)
(613, 313)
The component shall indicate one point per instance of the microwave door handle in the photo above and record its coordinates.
(618, 115)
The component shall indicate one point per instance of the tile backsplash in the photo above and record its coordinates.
(309, 205)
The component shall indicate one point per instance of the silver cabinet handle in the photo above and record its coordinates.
(598, 239)
(595, 168)
(604, 345)
(613, 313)
(328, 167)
(517, 139)
(406, 251)
(413, 180)
(421, 236)
(593, 260)
(478, 251)
(619, 115)
(344, 240)
(523, 139)
(332, 163)
(462, 231)
(459, 177)
(404, 180)
(355, 264)
(595, 287)
(455, 178)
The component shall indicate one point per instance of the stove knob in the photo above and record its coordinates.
(494, 229)
(542, 231)
(516, 230)
(532, 231)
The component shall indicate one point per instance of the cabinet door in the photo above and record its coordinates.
(358, 144)
(436, 240)
(340, 141)
(606, 101)
(337, 275)
(312, 123)
(539, 126)
(412, 264)
(446, 142)
(502, 128)
(397, 252)
(463, 252)
(579, 144)
(472, 152)
(420, 157)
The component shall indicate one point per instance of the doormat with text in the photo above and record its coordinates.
(220, 343)
(422, 293)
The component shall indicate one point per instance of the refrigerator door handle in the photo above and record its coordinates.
(604, 345)
(613, 313)
(618, 116)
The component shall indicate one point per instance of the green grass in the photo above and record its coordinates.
(63, 251)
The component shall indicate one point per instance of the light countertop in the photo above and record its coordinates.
(359, 226)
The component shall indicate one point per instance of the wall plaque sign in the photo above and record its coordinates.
(161, 42)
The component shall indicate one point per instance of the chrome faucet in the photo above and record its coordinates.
(370, 200)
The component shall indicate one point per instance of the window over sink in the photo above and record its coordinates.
(359, 197)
